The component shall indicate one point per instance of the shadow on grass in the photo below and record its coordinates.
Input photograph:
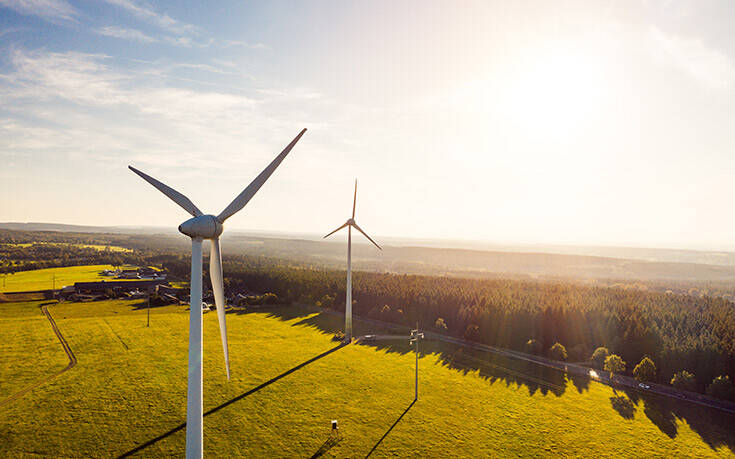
(330, 443)
(492, 367)
(390, 429)
(231, 401)
(713, 426)
(623, 405)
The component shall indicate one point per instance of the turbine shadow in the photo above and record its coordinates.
(389, 430)
(181, 426)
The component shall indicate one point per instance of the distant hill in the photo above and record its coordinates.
(34, 226)
(402, 256)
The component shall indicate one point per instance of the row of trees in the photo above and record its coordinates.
(720, 387)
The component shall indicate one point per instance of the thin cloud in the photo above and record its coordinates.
(125, 34)
(244, 44)
(46, 9)
(709, 66)
(163, 21)
(87, 106)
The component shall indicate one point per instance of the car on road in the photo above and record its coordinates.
(368, 338)
(644, 386)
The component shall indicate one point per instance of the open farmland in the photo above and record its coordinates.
(127, 394)
(45, 279)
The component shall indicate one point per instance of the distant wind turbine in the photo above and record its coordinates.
(350, 223)
(198, 228)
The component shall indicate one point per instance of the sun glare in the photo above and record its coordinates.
(554, 94)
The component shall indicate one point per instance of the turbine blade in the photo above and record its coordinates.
(363, 233)
(215, 273)
(354, 201)
(335, 230)
(174, 195)
(247, 194)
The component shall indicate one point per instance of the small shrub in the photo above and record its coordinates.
(645, 370)
(599, 356)
(684, 380)
(270, 298)
(614, 364)
(558, 352)
(721, 387)
(533, 346)
(472, 332)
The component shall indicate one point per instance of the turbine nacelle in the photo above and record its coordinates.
(203, 226)
(351, 221)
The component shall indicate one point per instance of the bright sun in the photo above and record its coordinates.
(554, 94)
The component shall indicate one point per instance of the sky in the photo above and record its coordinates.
(509, 122)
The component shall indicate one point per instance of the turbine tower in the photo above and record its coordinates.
(350, 223)
(199, 228)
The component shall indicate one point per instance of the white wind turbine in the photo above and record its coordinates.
(350, 223)
(198, 228)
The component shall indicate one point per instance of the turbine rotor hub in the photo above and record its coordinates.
(204, 226)
(351, 221)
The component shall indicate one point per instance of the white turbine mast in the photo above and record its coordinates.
(350, 223)
(199, 228)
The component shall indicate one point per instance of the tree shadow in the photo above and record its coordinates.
(623, 405)
(661, 416)
(492, 367)
(712, 425)
(581, 382)
(231, 401)
(390, 429)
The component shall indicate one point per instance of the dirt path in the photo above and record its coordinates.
(67, 349)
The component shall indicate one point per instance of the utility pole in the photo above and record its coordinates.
(415, 337)
(149, 308)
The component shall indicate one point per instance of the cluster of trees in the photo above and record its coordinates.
(15, 258)
(27, 250)
(720, 387)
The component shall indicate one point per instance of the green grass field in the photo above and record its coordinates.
(129, 390)
(45, 279)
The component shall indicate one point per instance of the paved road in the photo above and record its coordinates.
(69, 354)
(620, 380)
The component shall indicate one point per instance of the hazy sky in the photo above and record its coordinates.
(538, 122)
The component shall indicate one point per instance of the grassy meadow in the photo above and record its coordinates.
(45, 279)
(127, 394)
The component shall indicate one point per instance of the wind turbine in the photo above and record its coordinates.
(350, 223)
(199, 228)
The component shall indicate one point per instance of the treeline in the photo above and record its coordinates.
(679, 332)
(24, 251)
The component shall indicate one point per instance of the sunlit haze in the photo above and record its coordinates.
(525, 122)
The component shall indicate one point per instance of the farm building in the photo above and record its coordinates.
(117, 286)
